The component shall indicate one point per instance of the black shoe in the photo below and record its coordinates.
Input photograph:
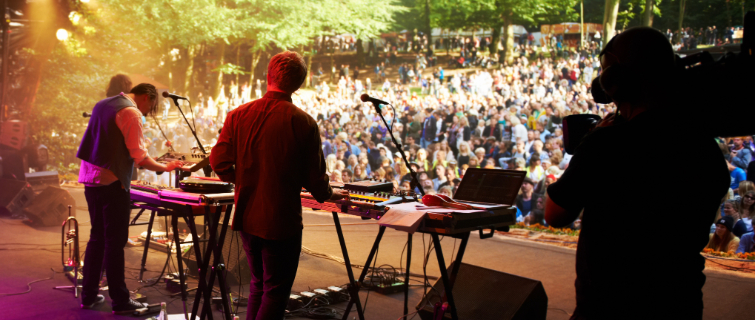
(88, 305)
(128, 307)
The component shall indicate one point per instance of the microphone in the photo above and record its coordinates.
(376, 102)
(167, 94)
(87, 114)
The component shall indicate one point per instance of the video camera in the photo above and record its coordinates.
(694, 67)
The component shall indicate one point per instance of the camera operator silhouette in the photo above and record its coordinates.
(626, 178)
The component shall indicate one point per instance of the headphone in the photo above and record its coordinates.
(617, 82)
(622, 81)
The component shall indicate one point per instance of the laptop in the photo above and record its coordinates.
(490, 188)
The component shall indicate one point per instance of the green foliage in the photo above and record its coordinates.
(698, 13)
(70, 85)
(230, 68)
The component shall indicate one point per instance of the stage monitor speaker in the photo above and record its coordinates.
(50, 207)
(14, 196)
(484, 294)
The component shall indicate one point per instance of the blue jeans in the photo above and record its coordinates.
(273, 264)
(424, 143)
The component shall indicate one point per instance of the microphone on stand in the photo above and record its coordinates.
(375, 102)
(87, 114)
(167, 94)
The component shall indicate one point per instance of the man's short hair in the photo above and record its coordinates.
(287, 71)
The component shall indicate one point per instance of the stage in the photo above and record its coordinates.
(29, 253)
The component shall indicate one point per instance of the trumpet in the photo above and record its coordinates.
(69, 237)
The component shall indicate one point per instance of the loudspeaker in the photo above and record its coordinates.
(14, 196)
(51, 207)
(484, 294)
(13, 134)
(14, 163)
(234, 258)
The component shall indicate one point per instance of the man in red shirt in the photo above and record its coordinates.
(271, 149)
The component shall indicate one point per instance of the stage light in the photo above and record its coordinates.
(62, 34)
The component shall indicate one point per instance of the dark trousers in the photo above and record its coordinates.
(273, 264)
(109, 211)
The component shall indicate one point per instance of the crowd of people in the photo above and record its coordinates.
(689, 38)
(507, 116)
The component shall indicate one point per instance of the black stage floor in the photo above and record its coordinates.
(28, 254)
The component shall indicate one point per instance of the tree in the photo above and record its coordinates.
(609, 20)
(647, 19)
(504, 14)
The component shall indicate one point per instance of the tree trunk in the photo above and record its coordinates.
(238, 63)
(494, 40)
(728, 13)
(360, 53)
(333, 68)
(448, 43)
(428, 27)
(508, 35)
(255, 59)
(582, 39)
(216, 88)
(647, 20)
(169, 67)
(681, 18)
(309, 68)
(191, 52)
(609, 20)
(199, 74)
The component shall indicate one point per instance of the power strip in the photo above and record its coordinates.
(384, 288)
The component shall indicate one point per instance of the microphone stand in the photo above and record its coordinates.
(194, 132)
(400, 149)
(179, 173)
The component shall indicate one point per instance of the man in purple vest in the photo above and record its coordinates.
(111, 145)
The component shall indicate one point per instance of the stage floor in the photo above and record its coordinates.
(29, 254)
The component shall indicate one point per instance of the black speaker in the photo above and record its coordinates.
(484, 294)
(14, 163)
(14, 196)
(234, 258)
(50, 207)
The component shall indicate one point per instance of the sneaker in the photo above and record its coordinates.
(88, 305)
(128, 307)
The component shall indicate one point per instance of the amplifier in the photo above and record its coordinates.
(369, 186)
(41, 179)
